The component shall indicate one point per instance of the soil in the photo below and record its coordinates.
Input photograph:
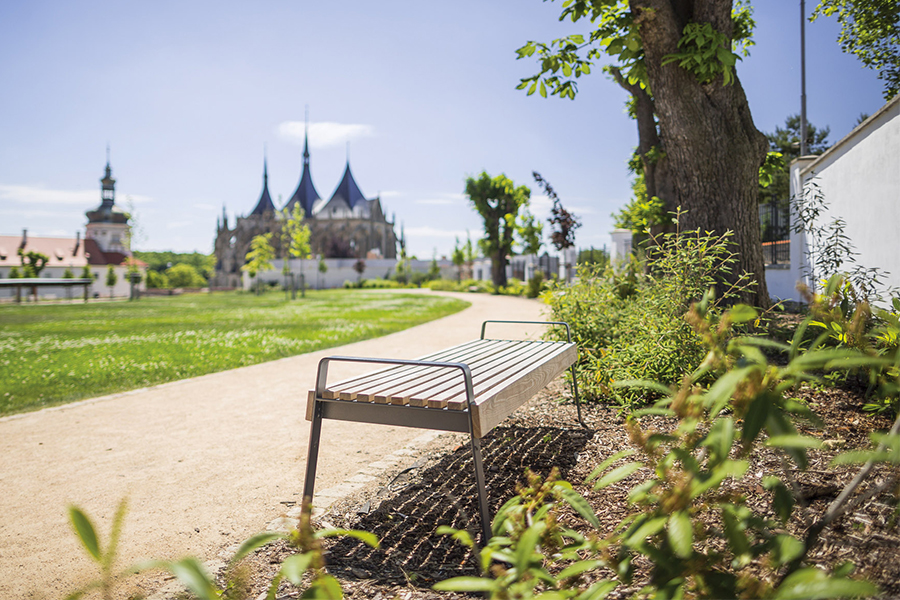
(407, 506)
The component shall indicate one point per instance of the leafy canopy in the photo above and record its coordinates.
(870, 30)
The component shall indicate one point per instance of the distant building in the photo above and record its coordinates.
(348, 225)
(105, 243)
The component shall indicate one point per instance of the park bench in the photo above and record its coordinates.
(470, 388)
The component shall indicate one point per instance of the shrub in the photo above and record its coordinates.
(513, 287)
(535, 285)
(157, 280)
(629, 324)
(693, 530)
(184, 275)
(381, 284)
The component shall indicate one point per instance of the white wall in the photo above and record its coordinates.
(341, 270)
(122, 289)
(859, 178)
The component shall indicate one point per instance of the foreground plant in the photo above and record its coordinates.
(104, 557)
(689, 519)
(305, 569)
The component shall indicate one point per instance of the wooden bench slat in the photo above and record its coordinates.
(331, 394)
(387, 385)
(455, 399)
(438, 394)
(352, 389)
(492, 408)
(477, 364)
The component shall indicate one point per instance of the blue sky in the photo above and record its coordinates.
(188, 94)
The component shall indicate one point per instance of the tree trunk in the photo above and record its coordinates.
(714, 150)
(498, 269)
(656, 168)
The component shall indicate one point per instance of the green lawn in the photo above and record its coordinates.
(57, 353)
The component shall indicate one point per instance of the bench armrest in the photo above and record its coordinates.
(568, 331)
(322, 375)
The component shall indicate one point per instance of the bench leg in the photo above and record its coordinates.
(575, 394)
(312, 456)
(483, 507)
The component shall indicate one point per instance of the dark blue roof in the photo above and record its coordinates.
(265, 203)
(347, 190)
(305, 193)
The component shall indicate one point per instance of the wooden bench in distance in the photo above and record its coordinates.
(470, 388)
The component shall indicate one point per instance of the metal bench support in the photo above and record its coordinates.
(405, 416)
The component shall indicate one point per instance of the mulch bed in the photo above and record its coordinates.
(404, 513)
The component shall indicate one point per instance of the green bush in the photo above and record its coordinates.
(535, 285)
(629, 321)
(513, 287)
(184, 275)
(381, 284)
(157, 280)
(689, 527)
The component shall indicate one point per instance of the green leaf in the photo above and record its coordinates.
(465, 584)
(581, 506)
(729, 468)
(734, 532)
(681, 533)
(643, 384)
(741, 313)
(786, 548)
(363, 536)
(191, 573)
(254, 543)
(580, 567)
(756, 416)
(782, 499)
(793, 441)
(527, 544)
(325, 587)
(293, 567)
(617, 475)
(85, 532)
(720, 438)
(719, 394)
(815, 583)
(543, 90)
(605, 465)
(646, 529)
(598, 591)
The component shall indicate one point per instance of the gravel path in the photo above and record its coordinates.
(204, 462)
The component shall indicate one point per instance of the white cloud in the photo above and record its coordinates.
(443, 199)
(178, 224)
(391, 194)
(40, 195)
(325, 134)
(432, 232)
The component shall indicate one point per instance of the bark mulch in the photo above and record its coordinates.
(405, 510)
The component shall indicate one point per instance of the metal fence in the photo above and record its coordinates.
(775, 229)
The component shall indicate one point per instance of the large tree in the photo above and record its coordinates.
(497, 200)
(698, 144)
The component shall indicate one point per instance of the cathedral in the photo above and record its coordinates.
(348, 225)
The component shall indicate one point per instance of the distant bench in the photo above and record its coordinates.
(470, 388)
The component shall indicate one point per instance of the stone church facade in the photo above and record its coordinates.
(347, 225)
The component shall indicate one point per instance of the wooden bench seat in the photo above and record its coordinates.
(470, 388)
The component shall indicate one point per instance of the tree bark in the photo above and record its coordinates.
(714, 150)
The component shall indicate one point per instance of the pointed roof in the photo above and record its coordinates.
(265, 200)
(305, 193)
(347, 190)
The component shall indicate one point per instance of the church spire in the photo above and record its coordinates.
(306, 140)
(265, 200)
(108, 185)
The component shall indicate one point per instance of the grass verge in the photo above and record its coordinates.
(58, 353)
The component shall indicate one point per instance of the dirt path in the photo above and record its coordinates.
(205, 462)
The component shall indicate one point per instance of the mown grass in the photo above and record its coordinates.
(57, 353)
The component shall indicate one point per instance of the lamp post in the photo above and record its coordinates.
(803, 149)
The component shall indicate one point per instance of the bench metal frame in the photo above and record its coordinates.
(410, 416)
